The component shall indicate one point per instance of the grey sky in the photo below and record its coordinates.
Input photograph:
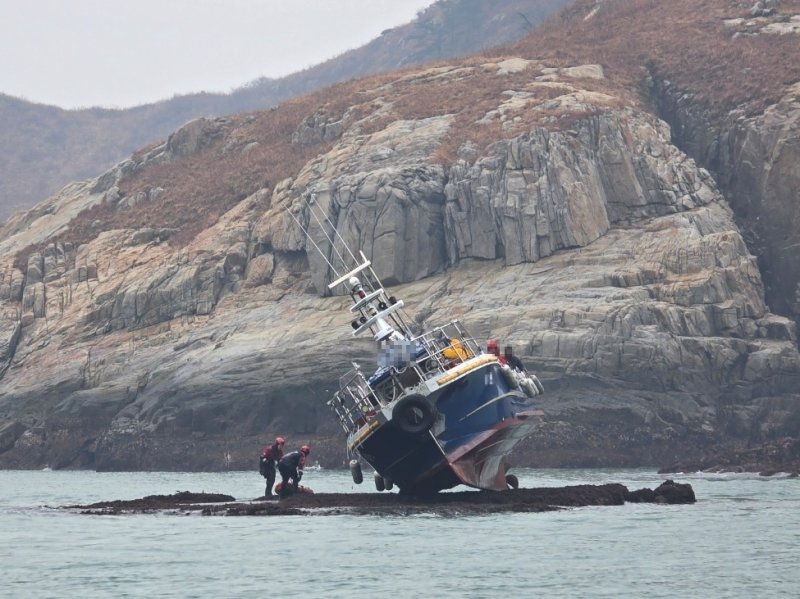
(80, 53)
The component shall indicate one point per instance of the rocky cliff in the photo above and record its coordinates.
(754, 158)
(543, 206)
(724, 75)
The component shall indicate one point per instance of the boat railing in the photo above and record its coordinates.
(359, 401)
(446, 346)
(355, 403)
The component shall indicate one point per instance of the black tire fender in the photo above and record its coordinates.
(413, 414)
(355, 472)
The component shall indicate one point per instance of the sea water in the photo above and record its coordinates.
(741, 539)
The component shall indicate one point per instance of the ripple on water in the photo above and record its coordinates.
(739, 540)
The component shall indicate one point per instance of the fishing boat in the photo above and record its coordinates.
(436, 411)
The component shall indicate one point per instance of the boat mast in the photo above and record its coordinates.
(378, 312)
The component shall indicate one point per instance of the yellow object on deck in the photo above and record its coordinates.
(456, 351)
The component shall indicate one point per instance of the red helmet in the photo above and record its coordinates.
(305, 449)
(280, 440)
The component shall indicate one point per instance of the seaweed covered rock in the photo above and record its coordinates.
(451, 504)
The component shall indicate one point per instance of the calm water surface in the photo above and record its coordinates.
(742, 539)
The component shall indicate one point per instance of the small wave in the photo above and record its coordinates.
(723, 476)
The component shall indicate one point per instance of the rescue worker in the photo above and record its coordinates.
(291, 468)
(513, 360)
(269, 457)
(492, 348)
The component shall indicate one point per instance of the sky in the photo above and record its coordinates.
(117, 54)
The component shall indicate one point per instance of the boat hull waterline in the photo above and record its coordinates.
(479, 421)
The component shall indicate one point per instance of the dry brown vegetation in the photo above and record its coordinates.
(685, 41)
(43, 147)
(682, 40)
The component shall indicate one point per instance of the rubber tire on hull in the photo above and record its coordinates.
(510, 377)
(413, 414)
(355, 472)
(512, 481)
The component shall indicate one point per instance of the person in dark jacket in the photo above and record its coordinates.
(513, 360)
(269, 457)
(291, 468)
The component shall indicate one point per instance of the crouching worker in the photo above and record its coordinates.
(266, 465)
(291, 468)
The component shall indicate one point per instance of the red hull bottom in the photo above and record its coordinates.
(482, 462)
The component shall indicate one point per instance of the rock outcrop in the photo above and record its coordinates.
(450, 504)
(755, 160)
(601, 252)
(781, 456)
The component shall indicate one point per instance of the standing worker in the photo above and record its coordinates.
(492, 348)
(291, 468)
(513, 360)
(266, 465)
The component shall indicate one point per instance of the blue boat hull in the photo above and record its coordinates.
(480, 419)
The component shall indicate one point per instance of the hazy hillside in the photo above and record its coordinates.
(44, 147)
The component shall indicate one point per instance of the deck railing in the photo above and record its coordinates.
(358, 401)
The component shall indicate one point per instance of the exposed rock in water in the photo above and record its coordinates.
(767, 459)
(667, 492)
(458, 503)
(153, 503)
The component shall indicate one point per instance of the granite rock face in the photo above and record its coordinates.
(755, 160)
(603, 254)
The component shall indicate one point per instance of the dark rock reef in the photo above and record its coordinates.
(768, 459)
(448, 504)
(154, 503)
